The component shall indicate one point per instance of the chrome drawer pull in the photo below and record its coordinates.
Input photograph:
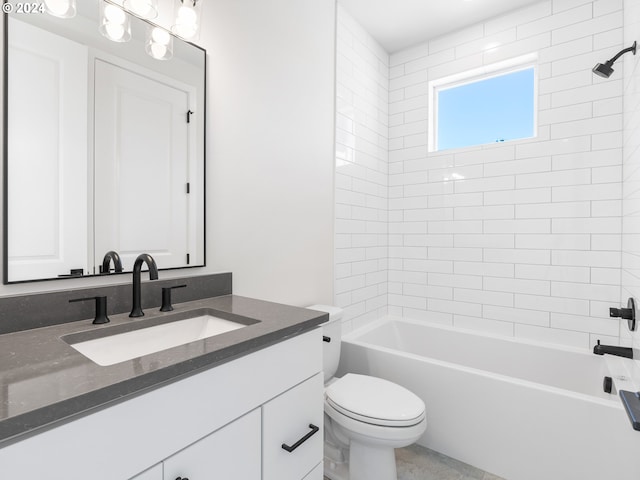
(313, 431)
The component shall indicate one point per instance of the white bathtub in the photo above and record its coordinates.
(520, 410)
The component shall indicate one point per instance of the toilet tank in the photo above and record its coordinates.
(332, 331)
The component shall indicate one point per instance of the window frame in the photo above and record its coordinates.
(485, 72)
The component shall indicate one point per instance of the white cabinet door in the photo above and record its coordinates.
(154, 473)
(293, 420)
(231, 453)
(142, 160)
(47, 154)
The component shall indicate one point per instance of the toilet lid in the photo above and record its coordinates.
(374, 400)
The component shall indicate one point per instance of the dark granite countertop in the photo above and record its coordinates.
(44, 381)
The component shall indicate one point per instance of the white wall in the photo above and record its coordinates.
(631, 170)
(270, 144)
(528, 243)
(362, 142)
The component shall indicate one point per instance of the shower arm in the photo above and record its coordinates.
(632, 48)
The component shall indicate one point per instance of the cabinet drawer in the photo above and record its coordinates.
(291, 420)
(232, 453)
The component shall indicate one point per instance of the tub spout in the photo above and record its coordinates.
(613, 350)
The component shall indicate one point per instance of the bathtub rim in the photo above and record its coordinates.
(451, 328)
(613, 402)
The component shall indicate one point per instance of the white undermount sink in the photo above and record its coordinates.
(117, 348)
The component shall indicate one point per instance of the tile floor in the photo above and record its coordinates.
(419, 463)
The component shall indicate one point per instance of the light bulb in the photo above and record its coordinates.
(61, 8)
(187, 15)
(115, 31)
(114, 14)
(143, 8)
(158, 50)
(114, 22)
(159, 43)
(185, 31)
(186, 19)
(161, 36)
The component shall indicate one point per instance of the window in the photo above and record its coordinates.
(476, 109)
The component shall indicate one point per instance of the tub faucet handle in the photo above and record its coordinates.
(625, 313)
(628, 314)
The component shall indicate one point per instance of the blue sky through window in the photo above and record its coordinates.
(494, 109)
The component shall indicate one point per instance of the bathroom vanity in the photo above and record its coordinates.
(244, 404)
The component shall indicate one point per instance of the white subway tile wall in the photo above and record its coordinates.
(631, 170)
(525, 219)
(362, 169)
(519, 238)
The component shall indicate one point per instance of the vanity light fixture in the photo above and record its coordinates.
(115, 24)
(147, 9)
(61, 8)
(159, 43)
(187, 19)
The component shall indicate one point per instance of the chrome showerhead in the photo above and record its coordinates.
(604, 70)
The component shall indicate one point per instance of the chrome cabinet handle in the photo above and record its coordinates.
(291, 448)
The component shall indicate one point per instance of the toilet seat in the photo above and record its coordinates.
(375, 401)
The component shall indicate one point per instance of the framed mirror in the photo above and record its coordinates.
(104, 147)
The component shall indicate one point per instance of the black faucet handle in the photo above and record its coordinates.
(101, 308)
(166, 298)
(625, 313)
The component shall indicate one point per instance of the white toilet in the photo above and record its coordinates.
(366, 417)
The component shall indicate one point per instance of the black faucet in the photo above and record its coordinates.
(106, 262)
(613, 350)
(136, 310)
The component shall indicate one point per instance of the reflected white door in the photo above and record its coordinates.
(141, 167)
(47, 155)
